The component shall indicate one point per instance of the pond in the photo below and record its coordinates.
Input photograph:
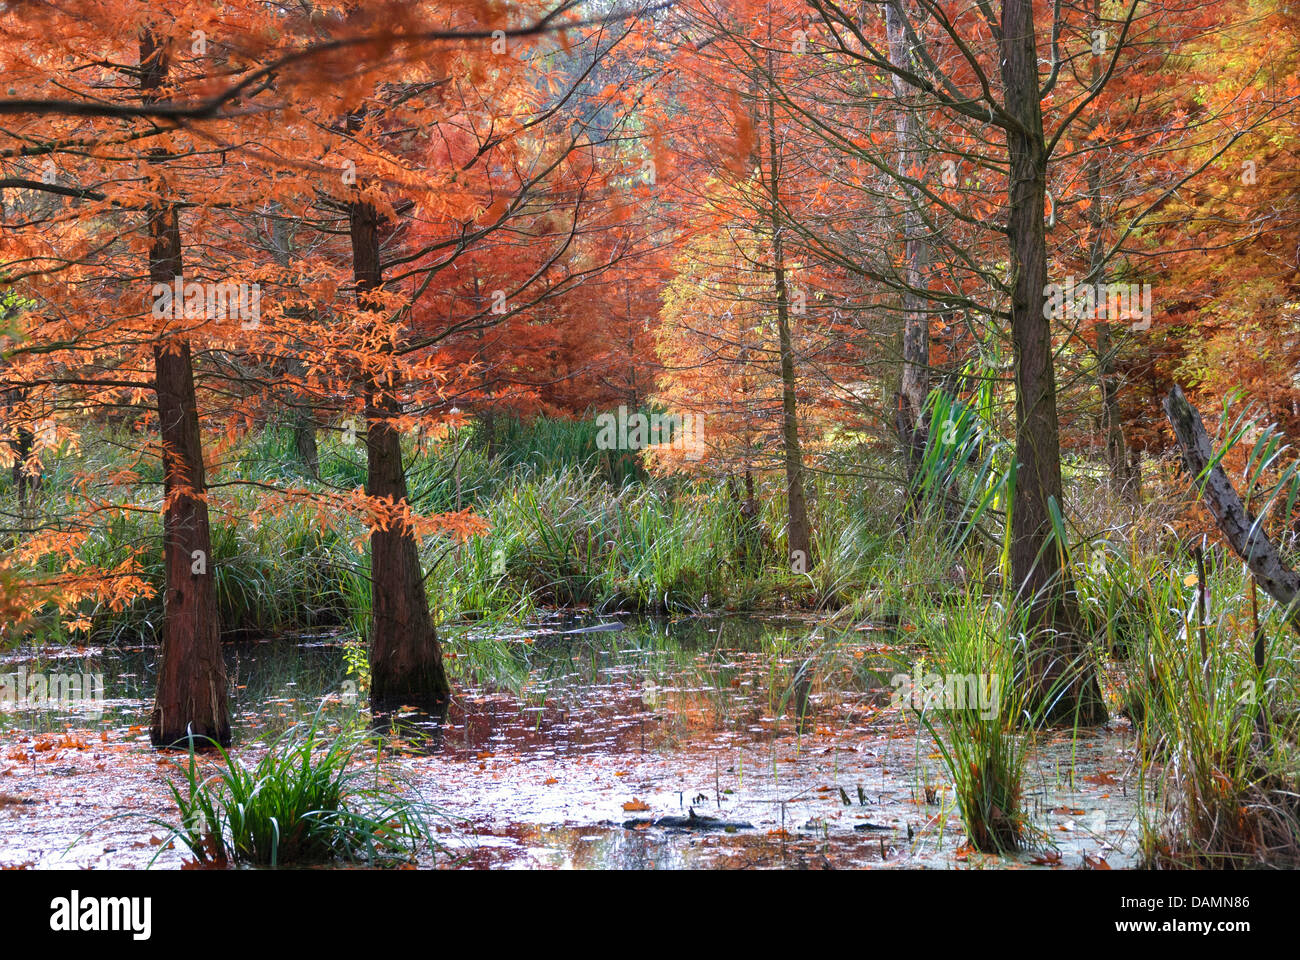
(567, 741)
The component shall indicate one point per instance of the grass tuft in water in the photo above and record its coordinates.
(308, 800)
(975, 709)
(1215, 726)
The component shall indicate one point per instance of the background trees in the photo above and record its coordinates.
(811, 224)
(232, 142)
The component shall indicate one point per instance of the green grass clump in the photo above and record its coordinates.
(1218, 731)
(307, 800)
(983, 745)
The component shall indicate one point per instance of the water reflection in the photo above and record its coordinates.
(557, 730)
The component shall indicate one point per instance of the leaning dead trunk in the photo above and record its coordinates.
(1238, 526)
(405, 656)
(1065, 682)
(191, 695)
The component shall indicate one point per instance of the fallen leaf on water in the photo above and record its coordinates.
(634, 805)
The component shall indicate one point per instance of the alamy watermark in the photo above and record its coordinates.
(53, 691)
(1127, 302)
(75, 914)
(637, 431)
(947, 691)
(179, 300)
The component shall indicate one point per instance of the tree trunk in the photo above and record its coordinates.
(490, 433)
(914, 387)
(191, 695)
(1065, 684)
(304, 419)
(1135, 473)
(1116, 449)
(1121, 479)
(26, 484)
(22, 446)
(799, 533)
(405, 656)
(304, 440)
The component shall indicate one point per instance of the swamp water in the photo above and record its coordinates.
(565, 740)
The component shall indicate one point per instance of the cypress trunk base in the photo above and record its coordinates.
(170, 736)
(1064, 689)
(191, 690)
(405, 657)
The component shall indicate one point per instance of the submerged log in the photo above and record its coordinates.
(1237, 524)
(690, 822)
